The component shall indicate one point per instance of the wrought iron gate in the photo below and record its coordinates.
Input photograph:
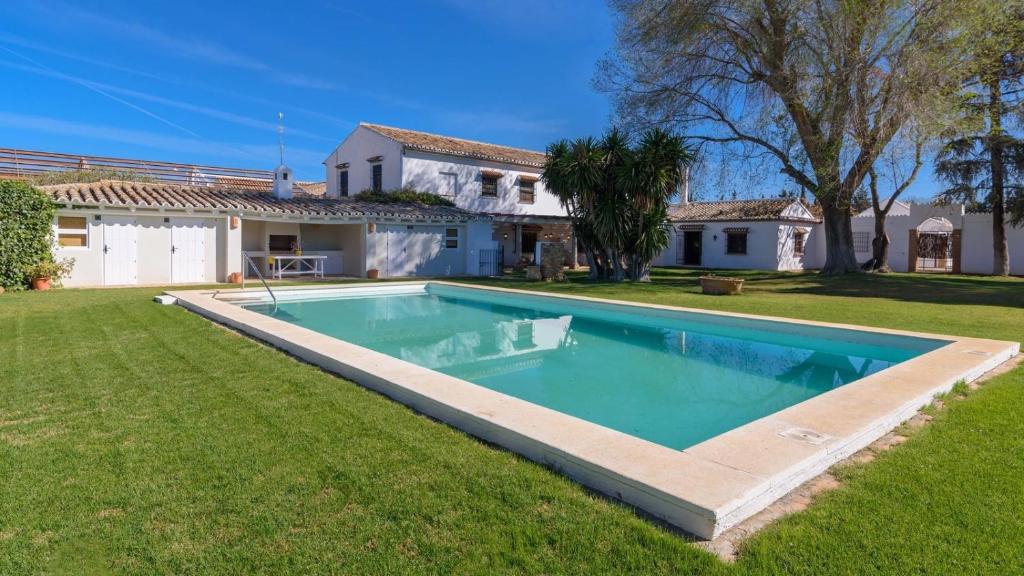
(935, 252)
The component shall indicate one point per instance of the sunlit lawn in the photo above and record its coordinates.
(138, 438)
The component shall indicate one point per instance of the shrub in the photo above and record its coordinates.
(403, 195)
(89, 175)
(26, 225)
(55, 270)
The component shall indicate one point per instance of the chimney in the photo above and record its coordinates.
(283, 182)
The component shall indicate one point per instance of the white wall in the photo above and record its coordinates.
(154, 248)
(976, 245)
(363, 143)
(975, 237)
(478, 237)
(422, 171)
(769, 246)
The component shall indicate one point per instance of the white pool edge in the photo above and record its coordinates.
(704, 489)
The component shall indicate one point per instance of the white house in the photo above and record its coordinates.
(937, 238)
(501, 182)
(127, 233)
(765, 234)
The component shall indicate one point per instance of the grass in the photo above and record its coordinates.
(140, 439)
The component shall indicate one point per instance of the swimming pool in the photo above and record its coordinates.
(676, 380)
(699, 418)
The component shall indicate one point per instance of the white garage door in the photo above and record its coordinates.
(414, 250)
(188, 250)
(120, 251)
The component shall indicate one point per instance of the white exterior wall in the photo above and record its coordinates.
(769, 246)
(478, 237)
(976, 246)
(153, 243)
(361, 144)
(430, 258)
(975, 237)
(423, 171)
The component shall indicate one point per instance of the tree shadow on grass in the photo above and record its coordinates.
(922, 288)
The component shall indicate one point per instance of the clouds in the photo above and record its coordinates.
(177, 45)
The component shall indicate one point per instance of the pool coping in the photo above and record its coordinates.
(704, 489)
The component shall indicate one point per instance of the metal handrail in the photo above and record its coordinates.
(258, 275)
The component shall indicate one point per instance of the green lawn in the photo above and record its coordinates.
(138, 438)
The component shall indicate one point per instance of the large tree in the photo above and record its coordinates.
(819, 86)
(617, 197)
(984, 162)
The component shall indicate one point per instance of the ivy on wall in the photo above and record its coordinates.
(26, 227)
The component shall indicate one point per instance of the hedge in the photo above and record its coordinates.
(26, 227)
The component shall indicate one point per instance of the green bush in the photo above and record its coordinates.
(403, 195)
(26, 226)
(89, 175)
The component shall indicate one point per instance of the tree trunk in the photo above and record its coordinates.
(618, 270)
(880, 245)
(1000, 256)
(840, 257)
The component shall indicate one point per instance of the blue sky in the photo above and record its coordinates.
(202, 82)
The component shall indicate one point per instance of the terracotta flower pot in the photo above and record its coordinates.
(41, 284)
(372, 273)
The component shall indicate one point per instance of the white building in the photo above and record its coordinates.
(501, 182)
(766, 234)
(933, 238)
(130, 233)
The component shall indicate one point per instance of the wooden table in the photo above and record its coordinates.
(291, 265)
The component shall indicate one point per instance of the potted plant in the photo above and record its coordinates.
(372, 273)
(49, 273)
(721, 285)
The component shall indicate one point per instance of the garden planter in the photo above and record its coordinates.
(721, 285)
(372, 273)
(41, 284)
(235, 278)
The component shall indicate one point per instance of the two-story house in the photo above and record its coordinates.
(501, 182)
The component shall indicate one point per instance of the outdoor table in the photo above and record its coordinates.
(295, 265)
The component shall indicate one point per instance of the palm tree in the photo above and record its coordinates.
(650, 179)
(617, 197)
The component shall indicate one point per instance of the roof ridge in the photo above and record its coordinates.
(372, 126)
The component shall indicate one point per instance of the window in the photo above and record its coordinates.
(72, 232)
(343, 182)
(451, 237)
(860, 242)
(447, 182)
(799, 238)
(526, 191)
(377, 178)
(489, 186)
(736, 242)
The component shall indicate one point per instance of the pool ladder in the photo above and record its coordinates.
(259, 275)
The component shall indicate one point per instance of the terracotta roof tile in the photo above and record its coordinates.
(459, 147)
(735, 210)
(156, 195)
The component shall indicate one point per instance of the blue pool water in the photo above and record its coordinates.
(669, 377)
